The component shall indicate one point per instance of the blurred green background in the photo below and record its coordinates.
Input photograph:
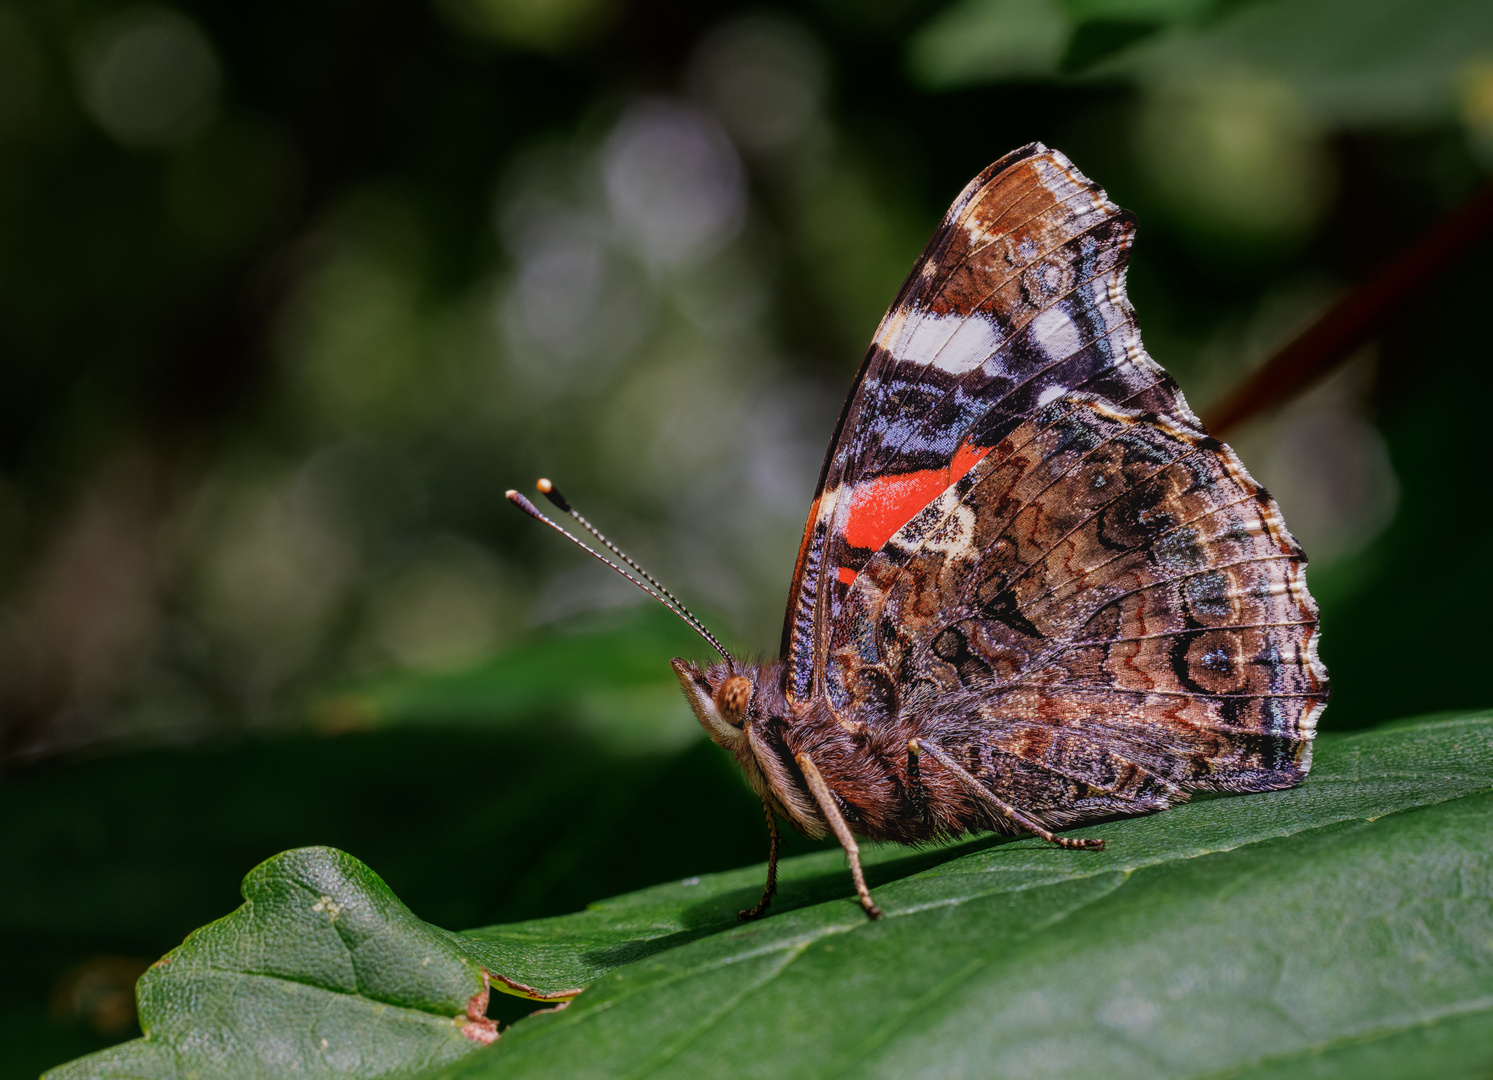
(290, 293)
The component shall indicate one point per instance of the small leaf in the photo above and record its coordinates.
(321, 972)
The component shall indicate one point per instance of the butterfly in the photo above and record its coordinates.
(1032, 591)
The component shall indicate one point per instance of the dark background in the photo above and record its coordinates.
(289, 294)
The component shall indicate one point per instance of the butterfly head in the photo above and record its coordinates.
(722, 697)
(742, 708)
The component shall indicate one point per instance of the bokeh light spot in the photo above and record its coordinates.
(1236, 156)
(148, 77)
(764, 77)
(673, 182)
(554, 26)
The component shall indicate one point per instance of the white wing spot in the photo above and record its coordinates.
(952, 343)
(1051, 394)
(1055, 333)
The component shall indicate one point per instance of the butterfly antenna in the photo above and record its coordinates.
(561, 503)
(662, 595)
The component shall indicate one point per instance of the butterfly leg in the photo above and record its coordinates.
(915, 793)
(770, 891)
(826, 800)
(917, 747)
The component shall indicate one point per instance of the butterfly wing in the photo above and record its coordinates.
(1026, 549)
(1018, 297)
(1105, 611)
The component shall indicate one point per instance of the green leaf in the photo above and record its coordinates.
(1349, 62)
(1346, 920)
(979, 41)
(1343, 926)
(990, 40)
(321, 972)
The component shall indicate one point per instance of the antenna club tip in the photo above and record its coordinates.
(522, 503)
(552, 493)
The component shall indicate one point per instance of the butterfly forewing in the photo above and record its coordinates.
(1018, 298)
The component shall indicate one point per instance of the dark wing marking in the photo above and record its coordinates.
(1018, 298)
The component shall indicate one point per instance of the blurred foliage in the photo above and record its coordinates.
(289, 294)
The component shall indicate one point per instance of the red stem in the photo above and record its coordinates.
(1354, 318)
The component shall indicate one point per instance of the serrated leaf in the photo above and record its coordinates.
(1343, 925)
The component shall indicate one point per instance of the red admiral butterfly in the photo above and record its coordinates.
(1032, 591)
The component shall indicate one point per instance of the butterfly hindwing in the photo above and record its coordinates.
(1017, 299)
(1107, 600)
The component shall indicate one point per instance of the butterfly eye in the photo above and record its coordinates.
(732, 698)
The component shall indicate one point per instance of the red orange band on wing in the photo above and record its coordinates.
(880, 507)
